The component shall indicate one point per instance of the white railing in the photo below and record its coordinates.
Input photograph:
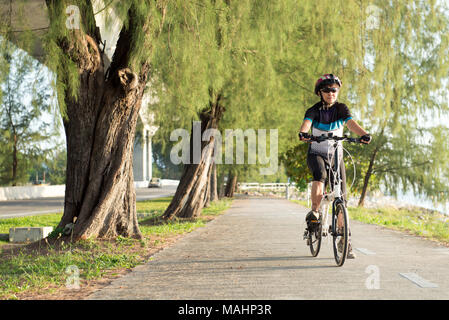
(245, 186)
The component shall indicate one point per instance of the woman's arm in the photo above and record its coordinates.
(354, 127)
(305, 127)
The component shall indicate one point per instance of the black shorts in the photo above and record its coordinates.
(317, 165)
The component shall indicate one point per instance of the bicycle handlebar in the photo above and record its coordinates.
(332, 137)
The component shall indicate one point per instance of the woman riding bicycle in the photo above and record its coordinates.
(327, 116)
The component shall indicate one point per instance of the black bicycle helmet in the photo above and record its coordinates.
(325, 80)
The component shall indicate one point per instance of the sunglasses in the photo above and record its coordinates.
(327, 90)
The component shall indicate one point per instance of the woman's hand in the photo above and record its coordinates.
(304, 136)
(366, 139)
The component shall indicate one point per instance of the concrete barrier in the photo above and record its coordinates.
(30, 234)
(35, 192)
(31, 192)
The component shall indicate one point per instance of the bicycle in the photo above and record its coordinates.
(339, 230)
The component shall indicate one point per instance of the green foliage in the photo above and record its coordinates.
(53, 166)
(264, 57)
(25, 100)
(56, 165)
(251, 173)
(295, 161)
(393, 70)
(162, 165)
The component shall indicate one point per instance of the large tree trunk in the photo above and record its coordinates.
(190, 194)
(100, 130)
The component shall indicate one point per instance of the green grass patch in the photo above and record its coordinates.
(50, 267)
(155, 225)
(418, 221)
(155, 206)
(301, 202)
(44, 220)
(45, 268)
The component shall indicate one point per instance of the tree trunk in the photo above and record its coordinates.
(14, 161)
(207, 191)
(220, 186)
(189, 197)
(231, 184)
(213, 183)
(100, 130)
(367, 177)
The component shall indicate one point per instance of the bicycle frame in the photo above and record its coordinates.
(333, 197)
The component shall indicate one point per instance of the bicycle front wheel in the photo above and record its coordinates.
(340, 227)
(315, 240)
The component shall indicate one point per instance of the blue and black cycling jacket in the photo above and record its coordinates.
(325, 120)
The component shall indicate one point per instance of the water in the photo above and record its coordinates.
(420, 201)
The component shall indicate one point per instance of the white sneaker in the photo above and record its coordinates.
(351, 254)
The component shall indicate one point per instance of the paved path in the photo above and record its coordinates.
(255, 251)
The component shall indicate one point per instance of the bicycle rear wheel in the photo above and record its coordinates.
(340, 234)
(315, 240)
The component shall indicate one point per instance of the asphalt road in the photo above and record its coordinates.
(255, 251)
(21, 208)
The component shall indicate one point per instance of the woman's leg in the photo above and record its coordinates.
(317, 194)
(317, 166)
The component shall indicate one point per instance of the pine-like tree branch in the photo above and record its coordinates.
(401, 168)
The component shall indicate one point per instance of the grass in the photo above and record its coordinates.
(51, 219)
(301, 202)
(43, 269)
(419, 221)
(48, 269)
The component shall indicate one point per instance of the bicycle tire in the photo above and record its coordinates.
(315, 240)
(339, 234)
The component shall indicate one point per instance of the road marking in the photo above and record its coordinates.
(366, 251)
(423, 283)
